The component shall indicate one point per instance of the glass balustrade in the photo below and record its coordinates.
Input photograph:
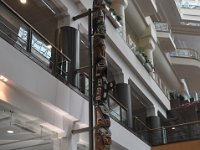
(161, 27)
(13, 29)
(179, 100)
(185, 53)
(178, 132)
(84, 83)
(25, 38)
(117, 111)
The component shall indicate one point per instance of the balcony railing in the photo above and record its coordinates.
(168, 134)
(178, 100)
(161, 27)
(177, 133)
(186, 53)
(131, 44)
(20, 34)
(117, 111)
(161, 85)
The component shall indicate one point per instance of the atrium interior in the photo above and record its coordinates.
(152, 56)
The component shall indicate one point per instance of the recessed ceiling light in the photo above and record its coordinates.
(23, 1)
(2, 78)
(10, 131)
(173, 128)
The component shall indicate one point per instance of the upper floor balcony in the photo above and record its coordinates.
(185, 53)
(187, 62)
(165, 37)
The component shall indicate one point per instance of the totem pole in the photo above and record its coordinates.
(101, 86)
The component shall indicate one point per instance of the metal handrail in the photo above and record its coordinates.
(186, 53)
(32, 28)
(119, 103)
(142, 123)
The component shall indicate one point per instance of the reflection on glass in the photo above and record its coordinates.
(185, 53)
(84, 83)
(124, 116)
(62, 67)
(87, 86)
(14, 28)
(114, 109)
(161, 26)
(22, 37)
(188, 4)
(40, 48)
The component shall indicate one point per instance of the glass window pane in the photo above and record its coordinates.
(40, 48)
(124, 116)
(13, 28)
(114, 109)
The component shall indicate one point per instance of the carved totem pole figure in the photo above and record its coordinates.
(102, 133)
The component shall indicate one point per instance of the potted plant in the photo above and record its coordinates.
(112, 15)
(141, 55)
(148, 65)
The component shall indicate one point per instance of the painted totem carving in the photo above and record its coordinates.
(101, 85)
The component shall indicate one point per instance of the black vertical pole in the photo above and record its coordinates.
(29, 40)
(91, 138)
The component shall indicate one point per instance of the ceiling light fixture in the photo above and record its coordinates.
(10, 131)
(173, 128)
(23, 1)
(2, 78)
(49, 46)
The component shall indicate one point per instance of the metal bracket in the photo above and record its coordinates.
(80, 130)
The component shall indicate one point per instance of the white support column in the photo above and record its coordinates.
(56, 144)
(120, 6)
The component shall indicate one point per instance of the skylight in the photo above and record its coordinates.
(189, 4)
(189, 9)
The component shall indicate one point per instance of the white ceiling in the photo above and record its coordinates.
(26, 135)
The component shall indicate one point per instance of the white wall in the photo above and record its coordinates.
(126, 138)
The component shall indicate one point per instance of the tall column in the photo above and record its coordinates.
(120, 6)
(151, 111)
(68, 41)
(122, 92)
(155, 134)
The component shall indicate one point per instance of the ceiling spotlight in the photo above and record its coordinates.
(10, 131)
(23, 1)
(173, 128)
